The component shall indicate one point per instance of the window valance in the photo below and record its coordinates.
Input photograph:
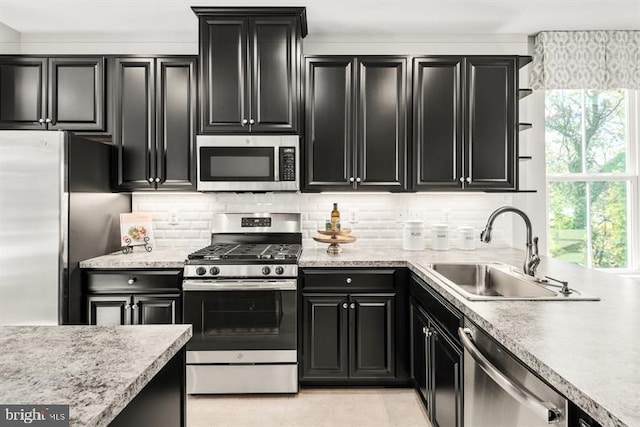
(586, 60)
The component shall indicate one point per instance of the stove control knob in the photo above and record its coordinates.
(201, 271)
(214, 271)
(266, 271)
(279, 270)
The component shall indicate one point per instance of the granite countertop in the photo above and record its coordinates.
(96, 370)
(587, 350)
(139, 258)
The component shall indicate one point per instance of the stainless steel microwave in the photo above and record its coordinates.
(248, 162)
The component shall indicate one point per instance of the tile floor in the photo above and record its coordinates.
(312, 407)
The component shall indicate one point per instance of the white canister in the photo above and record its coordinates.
(467, 238)
(413, 235)
(440, 237)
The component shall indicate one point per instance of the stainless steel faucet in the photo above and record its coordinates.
(532, 260)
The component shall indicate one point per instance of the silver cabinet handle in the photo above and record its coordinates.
(132, 281)
(157, 179)
(41, 121)
(47, 120)
(134, 306)
(150, 180)
(127, 306)
(345, 305)
(244, 122)
(352, 179)
(358, 179)
(353, 305)
(468, 179)
(252, 121)
(461, 179)
(349, 280)
(543, 409)
(427, 332)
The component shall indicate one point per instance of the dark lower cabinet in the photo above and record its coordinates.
(436, 357)
(356, 337)
(132, 297)
(154, 126)
(66, 93)
(356, 123)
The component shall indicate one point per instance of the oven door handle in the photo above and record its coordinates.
(239, 285)
(545, 410)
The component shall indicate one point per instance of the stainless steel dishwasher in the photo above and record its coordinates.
(499, 391)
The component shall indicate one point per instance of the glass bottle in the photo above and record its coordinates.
(335, 218)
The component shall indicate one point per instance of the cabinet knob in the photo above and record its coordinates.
(244, 122)
(352, 179)
(358, 179)
(468, 179)
(134, 306)
(157, 180)
(252, 121)
(349, 280)
(132, 281)
(127, 306)
(150, 180)
(353, 305)
(41, 121)
(345, 305)
(47, 120)
(461, 179)
(426, 331)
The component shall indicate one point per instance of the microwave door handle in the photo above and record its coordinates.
(545, 410)
(276, 164)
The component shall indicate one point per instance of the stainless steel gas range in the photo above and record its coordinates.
(240, 297)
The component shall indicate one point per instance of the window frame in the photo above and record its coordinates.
(632, 177)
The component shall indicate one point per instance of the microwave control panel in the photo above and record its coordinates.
(287, 164)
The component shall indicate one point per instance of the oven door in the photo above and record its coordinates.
(240, 315)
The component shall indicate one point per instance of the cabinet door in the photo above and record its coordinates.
(275, 67)
(446, 364)
(419, 371)
(76, 93)
(175, 116)
(223, 75)
(134, 133)
(111, 310)
(381, 124)
(329, 124)
(372, 341)
(437, 123)
(491, 129)
(325, 330)
(23, 92)
(156, 309)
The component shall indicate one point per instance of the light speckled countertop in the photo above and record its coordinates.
(96, 370)
(587, 350)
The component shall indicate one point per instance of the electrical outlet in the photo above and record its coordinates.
(173, 218)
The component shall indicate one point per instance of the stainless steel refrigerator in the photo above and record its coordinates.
(56, 209)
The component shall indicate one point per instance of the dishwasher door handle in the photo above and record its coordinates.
(545, 410)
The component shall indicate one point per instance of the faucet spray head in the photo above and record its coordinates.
(485, 235)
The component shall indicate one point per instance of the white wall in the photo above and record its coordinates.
(9, 40)
(376, 219)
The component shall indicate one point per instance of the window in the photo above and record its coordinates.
(592, 177)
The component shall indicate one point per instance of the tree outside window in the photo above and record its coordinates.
(590, 177)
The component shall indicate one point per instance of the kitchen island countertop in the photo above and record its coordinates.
(96, 370)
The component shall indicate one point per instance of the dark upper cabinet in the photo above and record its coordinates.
(465, 123)
(250, 69)
(356, 123)
(154, 127)
(65, 93)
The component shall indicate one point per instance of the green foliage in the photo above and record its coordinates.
(586, 133)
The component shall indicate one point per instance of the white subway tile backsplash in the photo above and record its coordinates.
(373, 218)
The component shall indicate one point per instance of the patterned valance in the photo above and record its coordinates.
(586, 60)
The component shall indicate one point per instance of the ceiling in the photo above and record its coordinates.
(326, 17)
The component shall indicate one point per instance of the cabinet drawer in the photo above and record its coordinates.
(132, 281)
(348, 280)
(448, 318)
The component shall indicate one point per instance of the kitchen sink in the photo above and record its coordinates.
(498, 282)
